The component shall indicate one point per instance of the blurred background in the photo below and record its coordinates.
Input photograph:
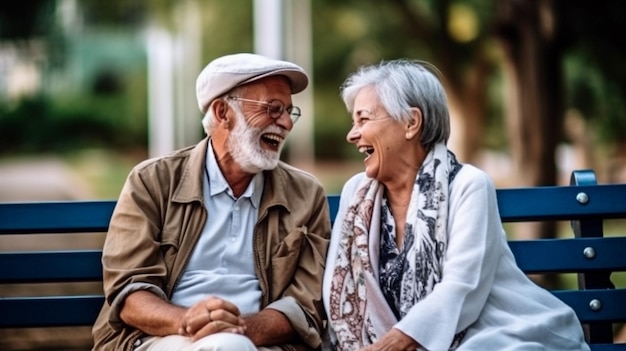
(89, 88)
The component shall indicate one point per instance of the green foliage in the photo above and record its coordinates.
(40, 125)
(595, 73)
(598, 98)
(496, 136)
(346, 34)
(25, 19)
(226, 27)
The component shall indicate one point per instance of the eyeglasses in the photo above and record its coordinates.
(275, 108)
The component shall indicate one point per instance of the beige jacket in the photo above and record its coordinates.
(158, 220)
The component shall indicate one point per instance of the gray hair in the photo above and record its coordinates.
(400, 85)
(208, 122)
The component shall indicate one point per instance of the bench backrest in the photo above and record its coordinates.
(594, 257)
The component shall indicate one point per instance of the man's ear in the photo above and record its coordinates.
(220, 112)
(414, 125)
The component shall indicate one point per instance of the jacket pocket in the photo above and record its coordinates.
(286, 257)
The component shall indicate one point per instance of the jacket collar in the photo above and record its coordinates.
(275, 189)
(190, 187)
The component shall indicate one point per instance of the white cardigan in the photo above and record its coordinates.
(482, 288)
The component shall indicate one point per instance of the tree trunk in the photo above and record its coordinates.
(468, 111)
(533, 79)
(534, 109)
(465, 82)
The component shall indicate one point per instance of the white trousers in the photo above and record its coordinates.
(214, 342)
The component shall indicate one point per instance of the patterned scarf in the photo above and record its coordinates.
(359, 313)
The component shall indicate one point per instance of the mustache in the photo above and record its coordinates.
(273, 129)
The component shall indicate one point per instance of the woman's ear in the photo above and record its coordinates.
(414, 126)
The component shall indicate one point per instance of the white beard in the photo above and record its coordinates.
(243, 145)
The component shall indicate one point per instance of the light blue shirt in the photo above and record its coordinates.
(222, 263)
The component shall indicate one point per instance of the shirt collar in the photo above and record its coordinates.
(218, 184)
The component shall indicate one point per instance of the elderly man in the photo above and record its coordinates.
(220, 246)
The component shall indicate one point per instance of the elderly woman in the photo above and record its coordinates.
(418, 257)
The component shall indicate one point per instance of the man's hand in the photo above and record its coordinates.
(210, 316)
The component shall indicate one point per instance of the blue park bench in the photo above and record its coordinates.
(600, 306)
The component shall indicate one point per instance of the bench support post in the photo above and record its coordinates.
(591, 228)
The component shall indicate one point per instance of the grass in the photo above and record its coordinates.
(104, 171)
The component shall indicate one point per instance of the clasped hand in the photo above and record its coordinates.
(209, 316)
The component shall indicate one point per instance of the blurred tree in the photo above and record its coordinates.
(472, 42)
(457, 37)
(454, 35)
(529, 34)
(486, 49)
(461, 37)
(596, 76)
(128, 14)
(538, 37)
(25, 19)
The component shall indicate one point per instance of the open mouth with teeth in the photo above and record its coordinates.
(366, 150)
(272, 140)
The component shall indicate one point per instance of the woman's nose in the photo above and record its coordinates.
(353, 134)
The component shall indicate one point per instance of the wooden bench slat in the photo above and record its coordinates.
(52, 217)
(50, 311)
(608, 347)
(613, 308)
(50, 266)
(531, 204)
(567, 255)
(547, 255)
(333, 205)
(66, 310)
(547, 203)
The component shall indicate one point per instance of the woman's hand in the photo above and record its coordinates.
(210, 316)
(394, 340)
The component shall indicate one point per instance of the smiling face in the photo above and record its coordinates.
(245, 133)
(257, 139)
(253, 149)
(379, 137)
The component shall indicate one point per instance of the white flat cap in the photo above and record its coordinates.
(227, 72)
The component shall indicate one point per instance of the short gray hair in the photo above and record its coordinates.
(400, 85)
(208, 122)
